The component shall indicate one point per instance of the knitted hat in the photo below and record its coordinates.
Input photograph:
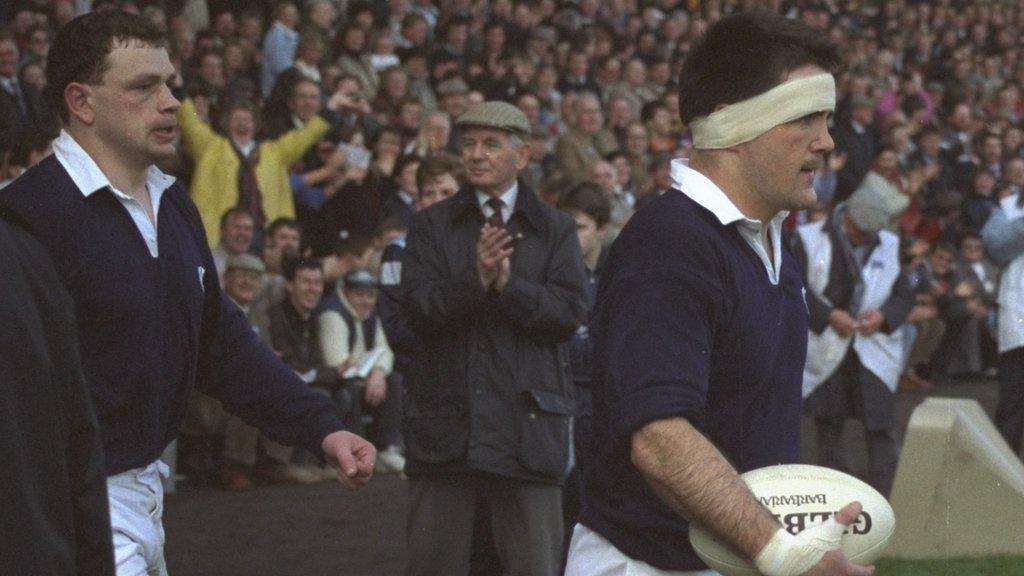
(875, 204)
(497, 115)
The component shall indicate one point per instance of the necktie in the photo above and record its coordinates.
(495, 218)
(15, 92)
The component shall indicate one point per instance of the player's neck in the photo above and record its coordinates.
(733, 182)
(124, 174)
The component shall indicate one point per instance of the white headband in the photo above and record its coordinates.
(743, 121)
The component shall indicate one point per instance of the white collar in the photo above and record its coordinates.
(88, 176)
(508, 198)
(406, 197)
(247, 149)
(703, 191)
(706, 193)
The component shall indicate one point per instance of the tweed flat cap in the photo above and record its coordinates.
(245, 262)
(498, 115)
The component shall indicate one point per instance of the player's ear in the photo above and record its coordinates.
(80, 102)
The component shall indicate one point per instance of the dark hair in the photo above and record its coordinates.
(232, 212)
(353, 244)
(79, 52)
(945, 246)
(232, 106)
(392, 224)
(402, 162)
(746, 54)
(651, 108)
(283, 222)
(967, 234)
(587, 198)
(292, 264)
(437, 165)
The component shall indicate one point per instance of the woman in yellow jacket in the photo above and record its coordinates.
(233, 162)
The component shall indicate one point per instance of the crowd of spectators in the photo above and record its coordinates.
(309, 130)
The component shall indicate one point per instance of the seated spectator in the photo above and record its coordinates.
(968, 346)
(587, 141)
(957, 300)
(284, 240)
(237, 229)
(350, 54)
(604, 175)
(22, 109)
(401, 202)
(434, 135)
(295, 330)
(350, 253)
(246, 455)
(302, 104)
(353, 342)
(980, 202)
(658, 120)
(923, 329)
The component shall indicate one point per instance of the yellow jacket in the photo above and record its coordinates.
(215, 180)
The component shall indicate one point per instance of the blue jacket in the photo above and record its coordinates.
(150, 329)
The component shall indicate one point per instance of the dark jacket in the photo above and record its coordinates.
(491, 391)
(296, 339)
(860, 152)
(55, 515)
(16, 127)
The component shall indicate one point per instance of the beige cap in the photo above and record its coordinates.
(246, 262)
(876, 203)
(498, 115)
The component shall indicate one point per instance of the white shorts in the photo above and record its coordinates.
(591, 555)
(136, 518)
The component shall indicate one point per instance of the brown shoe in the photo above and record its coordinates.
(235, 478)
(279, 473)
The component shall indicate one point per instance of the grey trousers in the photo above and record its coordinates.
(526, 522)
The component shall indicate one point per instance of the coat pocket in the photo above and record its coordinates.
(544, 433)
(436, 437)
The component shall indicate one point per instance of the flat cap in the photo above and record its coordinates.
(451, 87)
(497, 115)
(246, 262)
(360, 278)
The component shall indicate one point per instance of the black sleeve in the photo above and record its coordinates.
(240, 371)
(58, 514)
(898, 306)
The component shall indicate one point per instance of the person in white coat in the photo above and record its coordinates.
(1004, 239)
(857, 300)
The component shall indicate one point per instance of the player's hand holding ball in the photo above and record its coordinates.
(813, 539)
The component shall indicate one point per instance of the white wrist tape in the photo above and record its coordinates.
(743, 121)
(788, 555)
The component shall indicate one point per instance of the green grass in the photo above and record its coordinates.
(990, 566)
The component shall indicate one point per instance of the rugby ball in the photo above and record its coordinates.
(801, 496)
